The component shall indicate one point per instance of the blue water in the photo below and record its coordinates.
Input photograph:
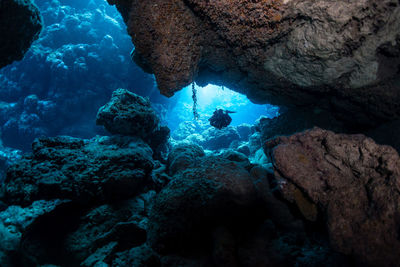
(82, 56)
(213, 97)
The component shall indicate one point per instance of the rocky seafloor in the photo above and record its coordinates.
(281, 192)
(137, 198)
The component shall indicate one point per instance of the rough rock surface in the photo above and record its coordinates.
(132, 115)
(128, 114)
(182, 156)
(350, 182)
(216, 139)
(209, 191)
(20, 25)
(340, 55)
(99, 169)
(15, 220)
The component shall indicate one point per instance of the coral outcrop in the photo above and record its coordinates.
(20, 25)
(341, 56)
(100, 169)
(80, 58)
(132, 115)
(350, 183)
(107, 201)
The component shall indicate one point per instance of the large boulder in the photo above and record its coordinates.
(20, 25)
(350, 182)
(340, 55)
(128, 114)
(132, 115)
(103, 168)
(209, 192)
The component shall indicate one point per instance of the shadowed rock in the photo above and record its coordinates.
(340, 55)
(132, 115)
(20, 25)
(350, 182)
(210, 191)
(106, 168)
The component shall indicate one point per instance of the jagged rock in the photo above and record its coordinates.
(102, 168)
(338, 55)
(208, 192)
(182, 156)
(132, 115)
(348, 180)
(20, 25)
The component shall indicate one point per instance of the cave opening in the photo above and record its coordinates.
(80, 58)
(212, 97)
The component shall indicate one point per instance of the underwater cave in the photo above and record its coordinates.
(199, 133)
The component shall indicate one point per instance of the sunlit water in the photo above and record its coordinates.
(213, 97)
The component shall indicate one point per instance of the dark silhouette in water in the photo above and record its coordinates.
(220, 118)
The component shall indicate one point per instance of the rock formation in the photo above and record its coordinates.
(101, 169)
(350, 183)
(343, 56)
(20, 25)
(107, 201)
(132, 115)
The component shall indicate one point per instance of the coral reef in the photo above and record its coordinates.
(275, 193)
(82, 55)
(20, 25)
(116, 205)
(340, 56)
(81, 170)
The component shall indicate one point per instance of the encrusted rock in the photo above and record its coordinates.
(102, 168)
(341, 55)
(100, 227)
(348, 180)
(132, 115)
(128, 114)
(182, 156)
(15, 220)
(20, 25)
(210, 191)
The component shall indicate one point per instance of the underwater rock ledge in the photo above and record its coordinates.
(20, 25)
(342, 56)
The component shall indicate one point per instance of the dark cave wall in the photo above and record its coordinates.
(340, 55)
(20, 25)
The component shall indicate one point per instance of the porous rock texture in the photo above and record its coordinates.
(132, 115)
(350, 183)
(100, 169)
(341, 55)
(20, 25)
